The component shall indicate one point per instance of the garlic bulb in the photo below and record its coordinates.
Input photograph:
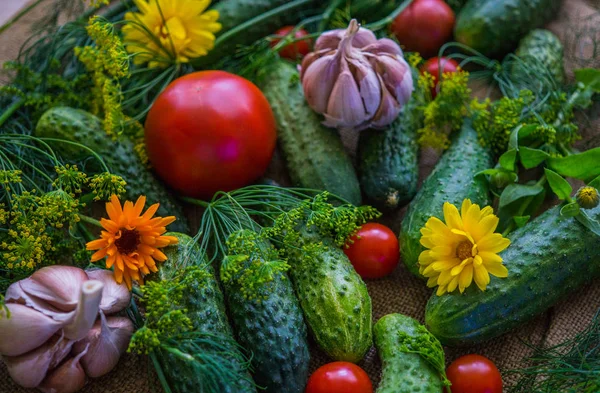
(69, 377)
(115, 297)
(355, 80)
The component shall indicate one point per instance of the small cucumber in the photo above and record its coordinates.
(549, 258)
(494, 27)
(452, 180)
(75, 125)
(315, 155)
(542, 53)
(401, 343)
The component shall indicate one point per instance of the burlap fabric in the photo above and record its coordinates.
(578, 26)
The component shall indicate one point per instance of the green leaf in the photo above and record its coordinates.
(595, 183)
(558, 184)
(570, 210)
(514, 192)
(582, 166)
(589, 222)
(521, 220)
(519, 133)
(590, 77)
(507, 160)
(530, 158)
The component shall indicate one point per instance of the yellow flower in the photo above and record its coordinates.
(463, 249)
(170, 31)
(132, 240)
(587, 197)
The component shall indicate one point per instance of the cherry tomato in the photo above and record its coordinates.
(474, 374)
(433, 65)
(295, 49)
(424, 26)
(339, 377)
(375, 251)
(210, 131)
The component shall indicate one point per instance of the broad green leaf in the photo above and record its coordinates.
(530, 158)
(589, 222)
(521, 220)
(519, 133)
(590, 77)
(582, 166)
(514, 192)
(595, 183)
(558, 184)
(570, 210)
(507, 160)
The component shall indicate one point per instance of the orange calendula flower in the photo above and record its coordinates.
(131, 240)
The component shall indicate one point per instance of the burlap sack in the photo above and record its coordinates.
(578, 26)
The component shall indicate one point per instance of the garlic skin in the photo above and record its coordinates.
(69, 377)
(115, 297)
(87, 310)
(355, 80)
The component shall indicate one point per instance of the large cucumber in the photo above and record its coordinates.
(494, 27)
(452, 180)
(75, 125)
(315, 155)
(388, 160)
(548, 258)
(398, 340)
(541, 53)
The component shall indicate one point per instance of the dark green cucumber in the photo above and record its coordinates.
(314, 153)
(494, 27)
(205, 307)
(548, 259)
(404, 371)
(388, 163)
(452, 180)
(79, 126)
(268, 322)
(542, 53)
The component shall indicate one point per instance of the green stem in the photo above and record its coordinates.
(327, 14)
(160, 373)
(390, 18)
(11, 109)
(85, 232)
(195, 201)
(89, 220)
(16, 18)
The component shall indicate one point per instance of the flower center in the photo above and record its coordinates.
(464, 250)
(128, 242)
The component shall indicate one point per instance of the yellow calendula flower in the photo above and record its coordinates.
(463, 249)
(170, 31)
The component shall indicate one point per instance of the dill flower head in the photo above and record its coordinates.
(167, 32)
(463, 249)
(131, 240)
(587, 197)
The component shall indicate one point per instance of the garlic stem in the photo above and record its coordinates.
(87, 310)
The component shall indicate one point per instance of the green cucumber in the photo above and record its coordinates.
(548, 259)
(542, 54)
(494, 27)
(400, 343)
(452, 180)
(267, 317)
(388, 159)
(314, 153)
(205, 307)
(75, 125)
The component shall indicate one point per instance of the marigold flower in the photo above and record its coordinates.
(587, 197)
(463, 249)
(132, 240)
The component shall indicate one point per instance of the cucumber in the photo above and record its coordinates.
(334, 298)
(388, 160)
(206, 309)
(79, 126)
(452, 180)
(494, 27)
(403, 370)
(549, 258)
(542, 54)
(267, 318)
(315, 155)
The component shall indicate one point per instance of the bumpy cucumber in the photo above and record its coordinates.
(388, 159)
(205, 307)
(494, 27)
(79, 126)
(452, 180)
(548, 258)
(268, 322)
(542, 53)
(404, 371)
(315, 155)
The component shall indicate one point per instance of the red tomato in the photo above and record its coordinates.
(375, 251)
(295, 49)
(474, 374)
(339, 377)
(210, 131)
(424, 26)
(433, 65)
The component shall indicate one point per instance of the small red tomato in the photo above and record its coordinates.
(474, 374)
(296, 49)
(424, 26)
(434, 65)
(375, 251)
(339, 377)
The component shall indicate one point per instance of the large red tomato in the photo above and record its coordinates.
(375, 251)
(438, 66)
(474, 374)
(210, 131)
(339, 377)
(295, 49)
(424, 26)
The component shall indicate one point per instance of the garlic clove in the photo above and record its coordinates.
(345, 108)
(368, 82)
(319, 80)
(16, 294)
(57, 285)
(25, 330)
(388, 111)
(107, 340)
(396, 76)
(87, 310)
(329, 40)
(69, 377)
(29, 369)
(115, 297)
(363, 37)
(384, 46)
